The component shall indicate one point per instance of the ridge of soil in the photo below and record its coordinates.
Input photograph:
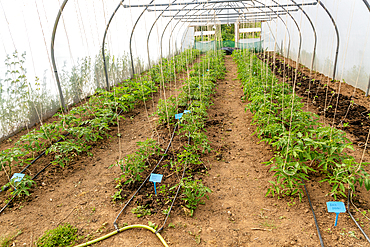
(236, 214)
(338, 103)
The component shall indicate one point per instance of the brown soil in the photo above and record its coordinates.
(339, 103)
(237, 213)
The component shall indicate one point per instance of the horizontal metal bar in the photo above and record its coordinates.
(244, 7)
(229, 21)
(183, 3)
(224, 17)
(247, 14)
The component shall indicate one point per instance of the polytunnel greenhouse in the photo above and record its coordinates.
(184, 123)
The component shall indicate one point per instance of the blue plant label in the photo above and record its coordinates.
(337, 208)
(187, 111)
(155, 178)
(17, 177)
(178, 116)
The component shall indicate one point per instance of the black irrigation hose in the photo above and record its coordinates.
(314, 216)
(173, 201)
(128, 202)
(42, 170)
(16, 193)
(33, 161)
(354, 220)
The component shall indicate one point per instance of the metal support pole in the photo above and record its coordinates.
(132, 33)
(368, 85)
(183, 3)
(53, 58)
(265, 6)
(300, 34)
(286, 27)
(167, 26)
(367, 4)
(150, 31)
(314, 32)
(337, 32)
(103, 46)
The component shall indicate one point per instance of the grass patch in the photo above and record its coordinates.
(63, 235)
(7, 241)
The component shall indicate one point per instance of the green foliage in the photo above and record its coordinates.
(63, 235)
(194, 191)
(228, 32)
(303, 144)
(197, 90)
(141, 211)
(22, 187)
(133, 165)
(90, 122)
(166, 110)
(7, 241)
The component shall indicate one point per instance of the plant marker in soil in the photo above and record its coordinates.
(16, 178)
(178, 116)
(155, 178)
(336, 207)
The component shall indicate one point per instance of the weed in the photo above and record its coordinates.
(141, 211)
(63, 235)
(8, 240)
(152, 225)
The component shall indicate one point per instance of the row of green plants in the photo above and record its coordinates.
(167, 69)
(82, 125)
(302, 144)
(24, 100)
(195, 96)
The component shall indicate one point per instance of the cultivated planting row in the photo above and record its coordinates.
(302, 144)
(195, 98)
(74, 132)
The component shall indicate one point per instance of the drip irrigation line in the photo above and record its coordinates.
(16, 193)
(42, 170)
(33, 161)
(128, 202)
(124, 229)
(354, 220)
(314, 216)
(177, 192)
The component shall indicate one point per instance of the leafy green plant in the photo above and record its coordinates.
(134, 164)
(141, 211)
(63, 235)
(303, 144)
(194, 192)
(152, 225)
(22, 188)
